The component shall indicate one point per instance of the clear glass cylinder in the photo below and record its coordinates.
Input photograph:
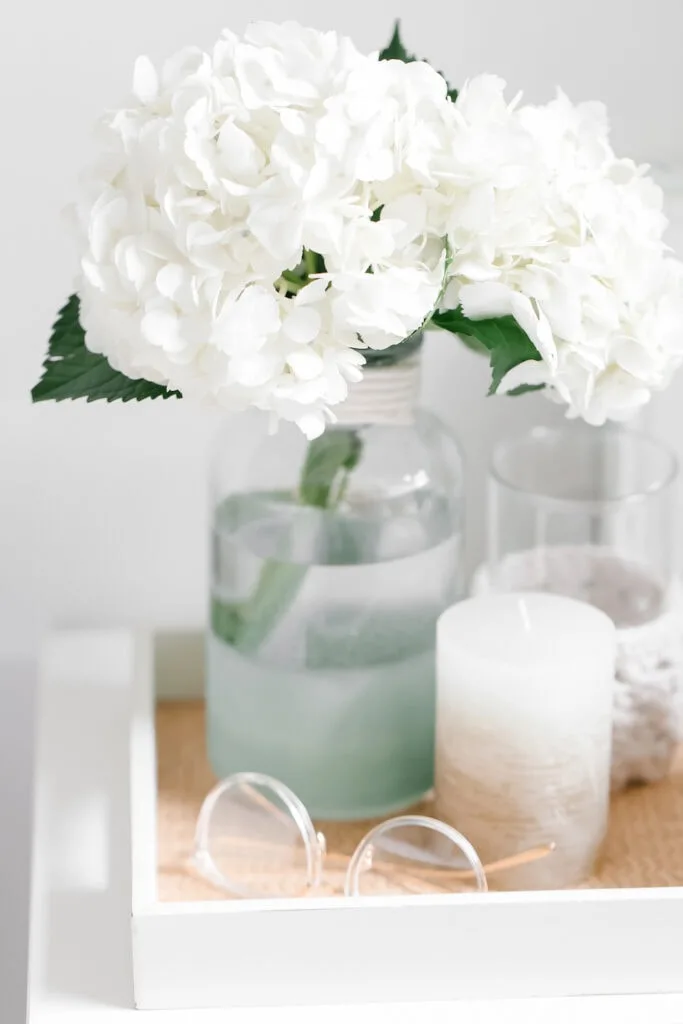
(328, 575)
(588, 513)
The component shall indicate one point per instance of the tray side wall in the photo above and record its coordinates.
(410, 953)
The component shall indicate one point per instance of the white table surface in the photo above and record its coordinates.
(80, 943)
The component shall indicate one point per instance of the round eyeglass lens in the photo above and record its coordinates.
(254, 839)
(414, 856)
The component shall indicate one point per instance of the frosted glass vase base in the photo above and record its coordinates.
(351, 744)
(648, 696)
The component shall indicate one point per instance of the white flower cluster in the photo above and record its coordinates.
(552, 228)
(262, 212)
(224, 173)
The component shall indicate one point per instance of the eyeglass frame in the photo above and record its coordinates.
(315, 843)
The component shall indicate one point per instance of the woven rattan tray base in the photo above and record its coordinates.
(644, 846)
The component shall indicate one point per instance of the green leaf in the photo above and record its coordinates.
(328, 460)
(71, 370)
(525, 389)
(395, 50)
(502, 337)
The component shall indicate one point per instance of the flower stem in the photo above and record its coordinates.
(330, 459)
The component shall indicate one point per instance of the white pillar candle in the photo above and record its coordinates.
(524, 724)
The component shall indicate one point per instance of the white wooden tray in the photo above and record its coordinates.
(224, 954)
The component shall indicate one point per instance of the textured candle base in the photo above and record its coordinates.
(502, 821)
(516, 796)
(648, 696)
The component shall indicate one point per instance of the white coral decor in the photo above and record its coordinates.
(262, 213)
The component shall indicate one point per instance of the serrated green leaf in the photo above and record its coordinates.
(62, 340)
(502, 337)
(72, 371)
(395, 50)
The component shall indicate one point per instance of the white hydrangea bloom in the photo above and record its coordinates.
(221, 170)
(548, 225)
(225, 168)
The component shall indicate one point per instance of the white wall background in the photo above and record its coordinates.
(102, 509)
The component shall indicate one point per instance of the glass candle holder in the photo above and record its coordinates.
(591, 514)
(585, 513)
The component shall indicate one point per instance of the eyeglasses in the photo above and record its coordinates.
(255, 839)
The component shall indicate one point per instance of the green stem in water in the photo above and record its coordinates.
(330, 459)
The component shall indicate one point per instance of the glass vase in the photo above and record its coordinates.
(592, 514)
(331, 562)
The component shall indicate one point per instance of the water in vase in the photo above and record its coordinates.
(321, 653)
